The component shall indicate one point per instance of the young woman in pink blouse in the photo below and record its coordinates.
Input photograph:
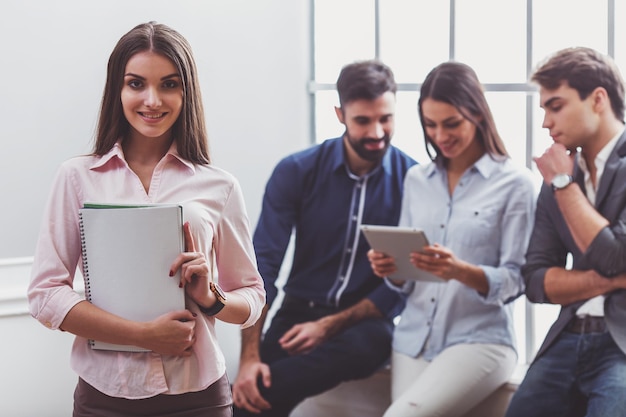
(151, 147)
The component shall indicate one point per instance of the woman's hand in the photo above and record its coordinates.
(438, 260)
(195, 271)
(170, 334)
(442, 262)
(381, 263)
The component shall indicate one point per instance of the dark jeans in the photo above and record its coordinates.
(353, 354)
(580, 375)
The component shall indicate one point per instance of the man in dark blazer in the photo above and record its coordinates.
(577, 252)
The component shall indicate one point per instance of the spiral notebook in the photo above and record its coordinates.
(127, 252)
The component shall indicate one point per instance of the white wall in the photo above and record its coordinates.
(253, 59)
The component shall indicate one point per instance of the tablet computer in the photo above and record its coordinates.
(399, 242)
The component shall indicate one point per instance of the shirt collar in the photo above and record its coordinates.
(117, 153)
(485, 166)
(602, 156)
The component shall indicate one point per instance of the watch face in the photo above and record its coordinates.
(561, 180)
(219, 293)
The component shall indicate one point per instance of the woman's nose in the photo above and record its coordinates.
(152, 98)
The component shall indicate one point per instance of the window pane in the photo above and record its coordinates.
(344, 32)
(509, 113)
(620, 35)
(409, 135)
(326, 124)
(491, 38)
(544, 316)
(541, 135)
(584, 25)
(410, 43)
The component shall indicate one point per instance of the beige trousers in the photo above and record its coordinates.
(450, 385)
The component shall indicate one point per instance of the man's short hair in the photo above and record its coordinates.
(584, 69)
(364, 80)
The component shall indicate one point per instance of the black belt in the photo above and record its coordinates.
(586, 324)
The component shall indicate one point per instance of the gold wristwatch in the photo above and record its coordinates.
(220, 300)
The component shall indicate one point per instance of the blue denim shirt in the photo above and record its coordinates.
(313, 193)
(487, 222)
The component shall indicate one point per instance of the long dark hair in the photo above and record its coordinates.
(457, 84)
(189, 131)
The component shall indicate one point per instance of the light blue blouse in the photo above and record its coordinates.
(487, 222)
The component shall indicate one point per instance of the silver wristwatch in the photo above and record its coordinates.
(561, 181)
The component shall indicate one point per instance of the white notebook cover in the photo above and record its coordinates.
(127, 254)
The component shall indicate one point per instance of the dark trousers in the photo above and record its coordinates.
(355, 353)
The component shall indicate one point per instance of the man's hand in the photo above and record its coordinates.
(246, 394)
(304, 337)
(555, 160)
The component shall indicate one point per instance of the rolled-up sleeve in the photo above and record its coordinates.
(236, 261)
(545, 249)
(51, 293)
(505, 280)
(607, 252)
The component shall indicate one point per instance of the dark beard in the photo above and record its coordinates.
(359, 147)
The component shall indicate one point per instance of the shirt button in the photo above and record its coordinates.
(442, 226)
(311, 304)
(432, 300)
(48, 325)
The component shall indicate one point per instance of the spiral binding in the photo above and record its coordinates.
(83, 245)
(83, 251)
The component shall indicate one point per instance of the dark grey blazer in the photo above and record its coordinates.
(551, 241)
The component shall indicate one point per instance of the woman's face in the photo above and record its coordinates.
(152, 95)
(447, 128)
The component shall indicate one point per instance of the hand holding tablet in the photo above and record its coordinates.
(398, 242)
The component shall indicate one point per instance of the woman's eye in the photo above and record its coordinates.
(170, 84)
(134, 84)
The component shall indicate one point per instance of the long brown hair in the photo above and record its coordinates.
(189, 131)
(456, 83)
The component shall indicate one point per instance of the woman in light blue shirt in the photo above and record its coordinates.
(454, 344)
